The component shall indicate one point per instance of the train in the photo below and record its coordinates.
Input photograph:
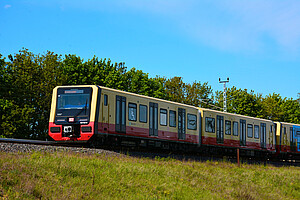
(104, 116)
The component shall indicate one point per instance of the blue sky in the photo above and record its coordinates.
(256, 43)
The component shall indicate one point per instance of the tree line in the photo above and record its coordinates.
(27, 81)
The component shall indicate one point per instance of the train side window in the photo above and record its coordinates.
(210, 124)
(143, 113)
(191, 122)
(291, 135)
(163, 117)
(228, 127)
(250, 130)
(235, 131)
(172, 115)
(132, 111)
(105, 99)
(256, 131)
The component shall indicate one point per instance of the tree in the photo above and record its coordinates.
(291, 110)
(198, 94)
(241, 102)
(26, 104)
(175, 89)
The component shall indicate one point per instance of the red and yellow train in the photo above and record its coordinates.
(99, 114)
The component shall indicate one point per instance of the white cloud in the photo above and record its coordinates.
(7, 6)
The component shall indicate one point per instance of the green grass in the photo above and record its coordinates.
(79, 176)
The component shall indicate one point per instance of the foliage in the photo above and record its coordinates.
(195, 94)
(77, 176)
(27, 81)
(272, 107)
(241, 102)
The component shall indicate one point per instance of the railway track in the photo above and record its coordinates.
(25, 145)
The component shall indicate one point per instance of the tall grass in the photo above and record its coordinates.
(79, 176)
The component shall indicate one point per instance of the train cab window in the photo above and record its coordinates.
(191, 122)
(210, 124)
(250, 130)
(105, 99)
(228, 127)
(143, 113)
(172, 115)
(132, 111)
(235, 130)
(256, 131)
(163, 117)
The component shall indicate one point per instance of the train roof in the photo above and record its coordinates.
(233, 114)
(153, 98)
(180, 104)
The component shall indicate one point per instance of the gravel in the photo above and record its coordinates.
(28, 148)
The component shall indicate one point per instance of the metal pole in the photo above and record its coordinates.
(238, 156)
(224, 94)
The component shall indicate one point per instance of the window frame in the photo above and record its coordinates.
(213, 123)
(227, 122)
(189, 115)
(165, 112)
(173, 112)
(105, 99)
(235, 128)
(141, 105)
(134, 107)
(250, 126)
(255, 127)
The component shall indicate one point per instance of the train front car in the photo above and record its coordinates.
(73, 112)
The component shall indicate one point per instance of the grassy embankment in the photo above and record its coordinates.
(78, 176)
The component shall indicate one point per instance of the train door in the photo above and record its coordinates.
(120, 114)
(297, 137)
(292, 141)
(283, 140)
(181, 123)
(243, 132)
(153, 119)
(271, 136)
(263, 135)
(220, 129)
(104, 115)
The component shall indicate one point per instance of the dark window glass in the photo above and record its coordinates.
(163, 117)
(191, 121)
(172, 118)
(228, 127)
(123, 112)
(143, 113)
(155, 118)
(118, 111)
(105, 99)
(132, 111)
(256, 131)
(235, 128)
(210, 124)
(250, 130)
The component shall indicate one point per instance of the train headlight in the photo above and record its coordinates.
(68, 129)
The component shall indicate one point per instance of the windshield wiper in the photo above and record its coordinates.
(85, 108)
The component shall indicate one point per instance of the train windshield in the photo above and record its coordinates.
(73, 101)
